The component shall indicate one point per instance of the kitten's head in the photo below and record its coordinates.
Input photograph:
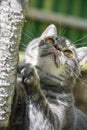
(56, 58)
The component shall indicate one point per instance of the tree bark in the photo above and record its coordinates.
(12, 14)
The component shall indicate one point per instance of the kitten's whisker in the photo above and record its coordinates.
(34, 34)
(78, 77)
(80, 39)
(83, 82)
(27, 35)
(23, 45)
(34, 30)
(83, 43)
(30, 33)
(62, 29)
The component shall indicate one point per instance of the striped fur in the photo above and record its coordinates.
(48, 78)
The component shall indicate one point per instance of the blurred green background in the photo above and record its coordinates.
(74, 8)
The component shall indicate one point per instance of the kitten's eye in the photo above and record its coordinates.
(68, 53)
(49, 41)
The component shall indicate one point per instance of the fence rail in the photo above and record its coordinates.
(46, 16)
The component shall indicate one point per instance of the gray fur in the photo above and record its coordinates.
(49, 78)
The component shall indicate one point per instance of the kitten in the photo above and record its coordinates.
(49, 72)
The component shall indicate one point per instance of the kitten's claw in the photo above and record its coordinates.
(28, 80)
(28, 72)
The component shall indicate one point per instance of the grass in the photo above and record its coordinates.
(84, 68)
(21, 56)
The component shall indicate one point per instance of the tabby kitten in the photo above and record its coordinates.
(51, 66)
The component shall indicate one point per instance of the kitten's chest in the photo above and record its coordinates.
(37, 119)
(50, 65)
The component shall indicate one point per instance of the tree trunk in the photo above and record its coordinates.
(11, 24)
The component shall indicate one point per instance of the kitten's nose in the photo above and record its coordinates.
(57, 47)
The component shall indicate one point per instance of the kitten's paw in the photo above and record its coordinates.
(28, 73)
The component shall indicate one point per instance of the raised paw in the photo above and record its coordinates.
(28, 73)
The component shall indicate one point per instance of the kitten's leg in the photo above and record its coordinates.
(33, 89)
(19, 119)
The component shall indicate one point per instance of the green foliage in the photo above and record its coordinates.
(76, 8)
(84, 68)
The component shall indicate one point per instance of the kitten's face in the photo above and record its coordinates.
(54, 57)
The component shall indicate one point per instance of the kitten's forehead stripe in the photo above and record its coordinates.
(63, 41)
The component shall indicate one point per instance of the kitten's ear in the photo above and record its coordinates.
(82, 55)
(49, 31)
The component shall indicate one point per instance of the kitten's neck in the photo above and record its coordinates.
(62, 103)
(57, 95)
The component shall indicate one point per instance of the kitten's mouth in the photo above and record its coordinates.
(54, 55)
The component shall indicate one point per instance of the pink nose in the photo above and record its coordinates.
(57, 47)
